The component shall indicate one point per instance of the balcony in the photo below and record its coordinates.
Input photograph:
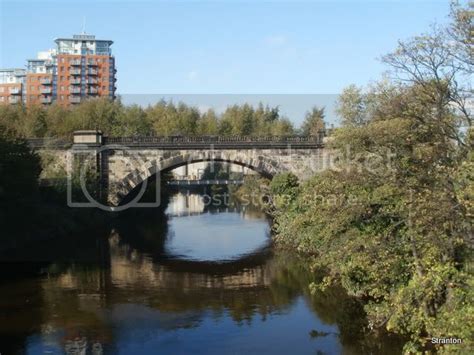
(92, 81)
(74, 99)
(46, 90)
(92, 63)
(46, 100)
(75, 81)
(74, 90)
(93, 91)
(92, 72)
(46, 81)
(75, 71)
(15, 91)
(75, 62)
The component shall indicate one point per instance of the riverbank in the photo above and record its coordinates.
(46, 218)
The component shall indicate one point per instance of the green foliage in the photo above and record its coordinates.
(392, 222)
(284, 188)
(285, 183)
(163, 118)
(215, 170)
(351, 106)
(19, 171)
(254, 192)
(314, 122)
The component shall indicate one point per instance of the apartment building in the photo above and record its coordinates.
(78, 68)
(12, 85)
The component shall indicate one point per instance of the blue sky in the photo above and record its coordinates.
(226, 47)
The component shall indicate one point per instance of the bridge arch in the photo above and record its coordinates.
(262, 164)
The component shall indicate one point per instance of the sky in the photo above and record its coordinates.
(282, 51)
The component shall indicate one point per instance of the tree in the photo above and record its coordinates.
(314, 122)
(208, 124)
(351, 107)
(239, 120)
(282, 127)
(284, 188)
(443, 59)
(19, 172)
(393, 223)
(131, 120)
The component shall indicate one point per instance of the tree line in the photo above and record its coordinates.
(392, 221)
(163, 118)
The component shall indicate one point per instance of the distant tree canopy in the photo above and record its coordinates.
(162, 118)
(313, 122)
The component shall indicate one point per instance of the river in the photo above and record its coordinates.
(196, 280)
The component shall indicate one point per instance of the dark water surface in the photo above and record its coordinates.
(197, 281)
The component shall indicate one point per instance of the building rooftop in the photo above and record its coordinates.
(6, 70)
(83, 37)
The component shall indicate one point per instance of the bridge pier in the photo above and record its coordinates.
(88, 158)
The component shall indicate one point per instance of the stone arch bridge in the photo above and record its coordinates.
(124, 163)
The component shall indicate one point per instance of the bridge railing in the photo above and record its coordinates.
(205, 182)
(192, 141)
(216, 140)
(48, 143)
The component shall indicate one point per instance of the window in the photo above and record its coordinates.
(2, 88)
(62, 97)
(32, 88)
(62, 88)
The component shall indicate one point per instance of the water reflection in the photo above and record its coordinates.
(147, 293)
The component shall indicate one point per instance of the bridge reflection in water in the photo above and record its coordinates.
(191, 204)
(140, 296)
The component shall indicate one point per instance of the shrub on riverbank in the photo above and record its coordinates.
(397, 237)
(392, 222)
(29, 213)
